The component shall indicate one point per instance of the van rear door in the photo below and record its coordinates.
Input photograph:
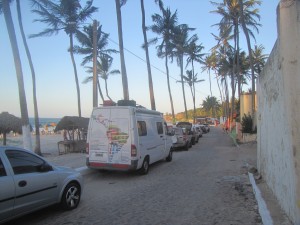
(109, 137)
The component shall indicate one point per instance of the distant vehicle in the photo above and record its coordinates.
(127, 138)
(189, 128)
(207, 127)
(198, 131)
(28, 183)
(204, 128)
(181, 139)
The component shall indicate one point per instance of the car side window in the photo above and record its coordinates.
(142, 128)
(159, 127)
(23, 162)
(2, 169)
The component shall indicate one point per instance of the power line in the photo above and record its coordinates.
(140, 58)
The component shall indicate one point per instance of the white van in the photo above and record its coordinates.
(126, 138)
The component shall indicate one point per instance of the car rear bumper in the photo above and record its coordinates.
(112, 166)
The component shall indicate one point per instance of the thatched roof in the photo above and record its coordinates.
(71, 123)
(9, 122)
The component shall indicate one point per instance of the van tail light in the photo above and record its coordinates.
(87, 148)
(133, 151)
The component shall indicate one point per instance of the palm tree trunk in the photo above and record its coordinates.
(194, 93)
(107, 90)
(75, 74)
(193, 96)
(182, 86)
(221, 95)
(152, 99)
(232, 97)
(169, 88)
(194, 103)
(250, 58)
(37, 148)
(227, 98)
(100, 91)
(4, 138)
(121, 48)
(214, 107)
(209, 82)
(18, 66)
(238, 69)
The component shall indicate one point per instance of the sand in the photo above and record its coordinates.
(49, 142)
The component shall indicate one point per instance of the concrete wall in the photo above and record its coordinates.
(246, 105)
(279, 112)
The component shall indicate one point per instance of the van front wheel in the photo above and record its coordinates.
(170, 156)
(145, 167)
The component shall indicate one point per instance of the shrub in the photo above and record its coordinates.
(247, 124)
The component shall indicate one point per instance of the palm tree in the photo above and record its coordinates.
(191, 79)
(5, 8)
(37, 148)
(181, 43)
(86, 40)
(247, 20)
(211, 103)
(119, 4)
(229, 10)
(226, 66)
(164, 26)
(259, 59)
(220, 50)
(90, 78)
(68, 16)
(210, 64)
(105, 71)
(236, 13)
(145, 45)
(194, 53)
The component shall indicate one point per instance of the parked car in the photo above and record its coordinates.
(204, 128)
(207, 126)
(189, 128)
(198, 131)
(181, 138)
(195, 135)
(28, 183)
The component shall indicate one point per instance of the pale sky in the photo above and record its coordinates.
(56, 89)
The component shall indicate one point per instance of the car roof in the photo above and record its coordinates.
(8, 147)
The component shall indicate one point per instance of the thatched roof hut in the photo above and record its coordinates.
(72, 123)
(8, 123)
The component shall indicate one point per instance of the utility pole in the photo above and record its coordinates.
(95, 75)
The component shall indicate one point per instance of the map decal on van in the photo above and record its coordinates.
(116, 138)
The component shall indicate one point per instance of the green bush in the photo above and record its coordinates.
(247, 124)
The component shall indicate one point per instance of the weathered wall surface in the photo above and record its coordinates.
(279, 112)
(246, 104)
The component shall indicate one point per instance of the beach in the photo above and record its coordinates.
(49, 149)
(49, 146)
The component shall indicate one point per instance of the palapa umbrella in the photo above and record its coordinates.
(8, 123)
(71, 123)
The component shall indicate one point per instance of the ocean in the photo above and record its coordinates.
(44, 121)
